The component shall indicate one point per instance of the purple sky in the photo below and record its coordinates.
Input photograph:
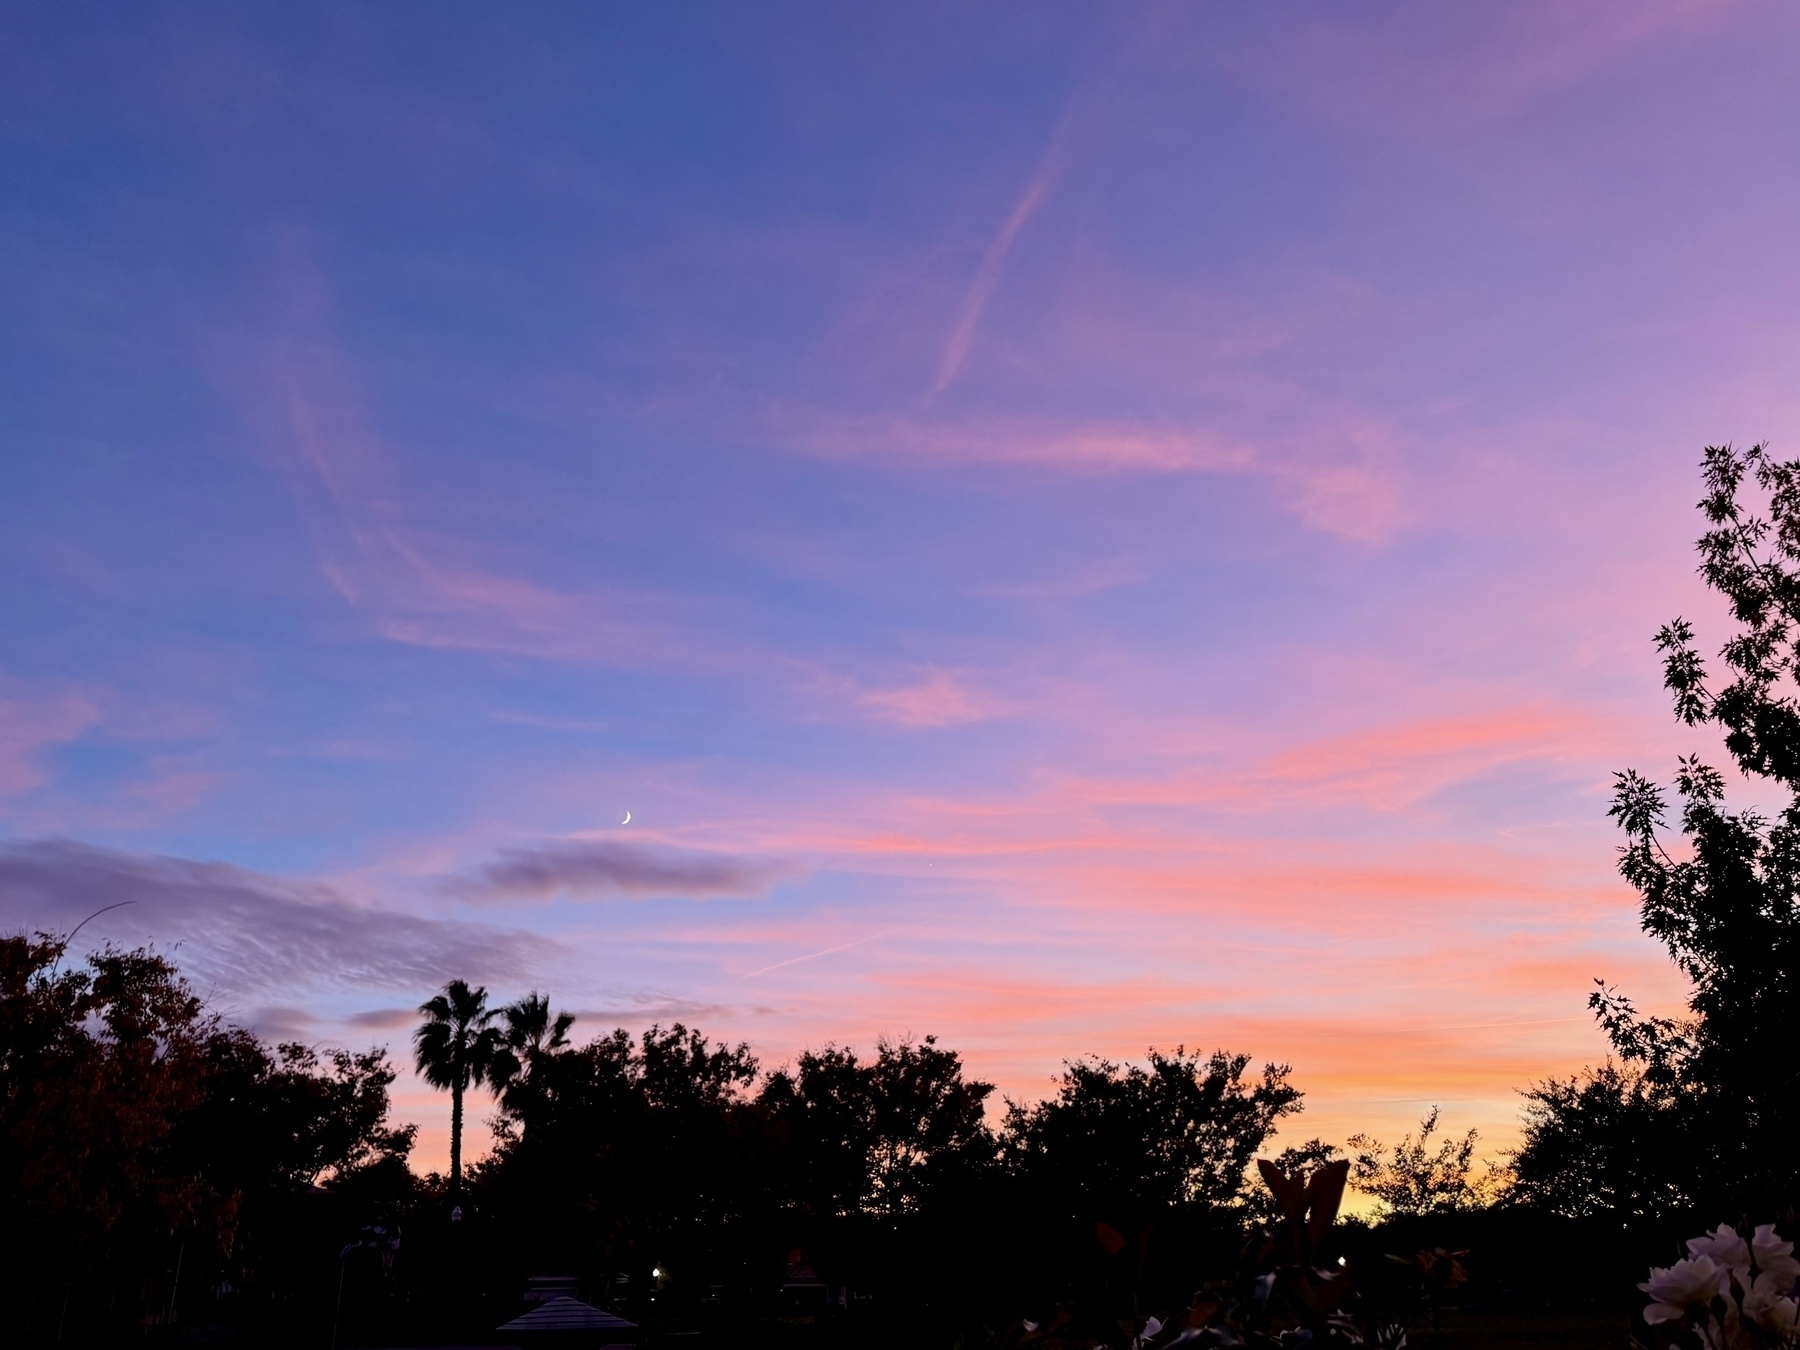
(1068, 527)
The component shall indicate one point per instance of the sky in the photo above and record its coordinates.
(1067, 527)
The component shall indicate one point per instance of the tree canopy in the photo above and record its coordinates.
(1181, 1130)
(140, 1134)
(1699, 1112)
(167, 1166)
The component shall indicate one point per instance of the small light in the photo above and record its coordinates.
(1342, 1261)
(656, 1272)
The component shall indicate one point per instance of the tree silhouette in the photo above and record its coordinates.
(1413, 1179)
(873, 1136)
(457, 1047)
(1697, 1112)
(152, 1154)
(168, 1168)
(1130, 1142)
(531, 1036)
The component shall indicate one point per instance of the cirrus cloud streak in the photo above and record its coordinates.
(246, 934)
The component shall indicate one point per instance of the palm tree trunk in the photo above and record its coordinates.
(456, 1095)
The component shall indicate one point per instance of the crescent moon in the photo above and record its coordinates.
(627, 819)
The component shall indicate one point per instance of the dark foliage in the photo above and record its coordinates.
(1413, 1177)
(627, 1154)
(1699, 1114)
(152, 1157)
(1135, 1142)
(1129, 1179)
(1599, 1146)
(170, 1172)
(878, 1137)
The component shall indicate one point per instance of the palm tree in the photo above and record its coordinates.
(532, 1037)
(457, 1047)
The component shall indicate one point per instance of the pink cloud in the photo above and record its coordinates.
(1377, 769)
(1090, 579)
(940, 699)
(1454, 972)
(1353, 489)
(1339, 474)
(1425, 72)
(33, 721)
(1363, 1065)
(169, 786)
(1395, 765)
(1090, 447)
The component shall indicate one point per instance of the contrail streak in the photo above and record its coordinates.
(813, 956)
(1082, 108)
(987, 276)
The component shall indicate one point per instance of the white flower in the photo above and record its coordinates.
(1694, 1280)
(1774, 1258)
(1765, 1306)
(1724, 1246)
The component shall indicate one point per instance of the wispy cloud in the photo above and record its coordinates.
(244, 933)
(1163, 835)
(1080, 446)
(1337, 471)
(1093, 578)
(1424, 74)
(428, 588)
(939, 699)
(929, 697)
(31, 722)
(593, 868)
